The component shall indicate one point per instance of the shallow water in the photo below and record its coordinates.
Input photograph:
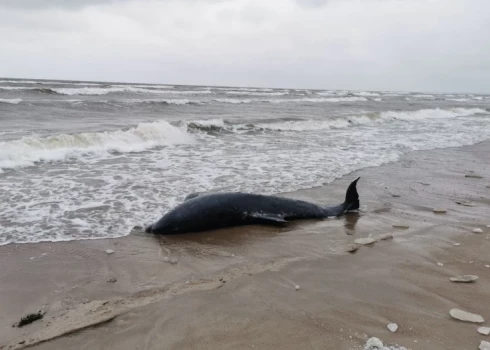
(92, 160)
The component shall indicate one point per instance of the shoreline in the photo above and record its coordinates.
(237, 286)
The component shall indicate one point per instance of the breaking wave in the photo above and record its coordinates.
(29, 150)
(96, 91)
(257, 93)
(322, 99)
(214, 125)
(13, 101)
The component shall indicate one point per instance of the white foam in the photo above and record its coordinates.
(233, 100)
(97, 91)
(458, 99)
(14, 101)
(146, 86)
(174, 101)
(257, 93)
(343, 122)
(48, 82)
(436, 113)
(366, 93)
(320, 99)
(15, 88)
(18, 82)
(424, 96)
(244, 89)
(28, 150)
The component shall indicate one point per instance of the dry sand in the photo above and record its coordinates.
(235, 288)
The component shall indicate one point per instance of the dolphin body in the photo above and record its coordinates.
(212, 211)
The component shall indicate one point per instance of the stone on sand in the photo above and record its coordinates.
(401, 225)
(109, 251)
(392, 327)
(477, 230)
(466, 316)
(365, 241)
(484, 330)
(464, 278)
(439, 210)
(484, 345)
(456, 244)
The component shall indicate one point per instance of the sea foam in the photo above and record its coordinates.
(32, 149)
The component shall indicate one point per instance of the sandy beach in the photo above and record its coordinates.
(295, 287)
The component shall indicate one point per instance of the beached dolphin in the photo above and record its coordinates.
(212, 211)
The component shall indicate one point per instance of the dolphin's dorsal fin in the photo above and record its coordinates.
(268, 218)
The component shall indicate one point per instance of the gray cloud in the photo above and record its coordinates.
(424, 45)
(46, 4)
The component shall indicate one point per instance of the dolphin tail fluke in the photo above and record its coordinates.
(352, 197)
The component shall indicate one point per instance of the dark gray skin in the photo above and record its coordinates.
(212, 211)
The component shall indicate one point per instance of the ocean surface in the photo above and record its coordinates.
(91, 160)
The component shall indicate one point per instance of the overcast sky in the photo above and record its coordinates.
(418, 45)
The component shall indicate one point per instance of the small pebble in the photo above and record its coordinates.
(296, 287)
(109, 251)
(392, 327)
(440, 264)
(464, 278)
(466, 203)
(487, 265)
(439, 210)
(166, 259)
(484, 345)
(484, 330)
(351, 248)
(477, 230)
(456, 244)
(473, 175)
(385, 237)
(174, 261)
(112, 280)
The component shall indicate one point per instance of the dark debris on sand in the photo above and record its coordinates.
(28, 319)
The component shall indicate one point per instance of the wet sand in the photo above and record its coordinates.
(235, 288)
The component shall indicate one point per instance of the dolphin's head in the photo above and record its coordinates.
(164, 226)
(174, 222)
